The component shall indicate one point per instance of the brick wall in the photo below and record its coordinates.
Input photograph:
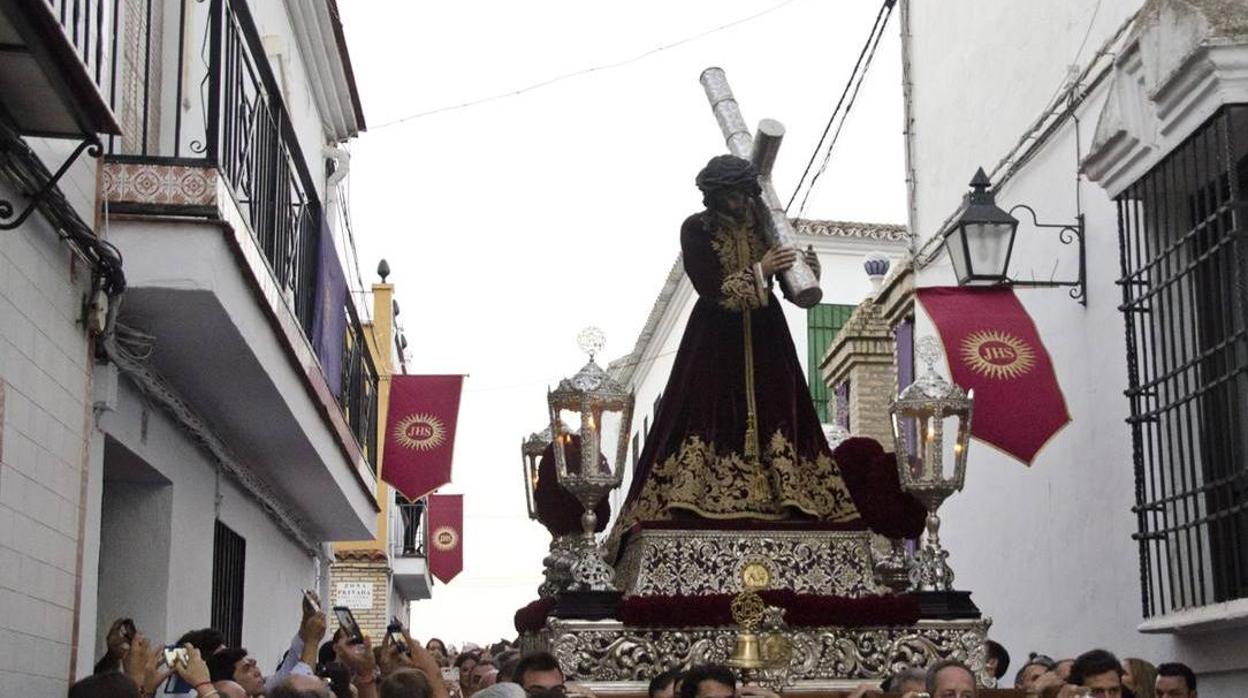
(863, 354)
(45, 380)
(372, 621)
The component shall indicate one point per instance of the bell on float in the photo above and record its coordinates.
(746, 654)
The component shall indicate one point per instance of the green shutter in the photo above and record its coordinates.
(823, 322)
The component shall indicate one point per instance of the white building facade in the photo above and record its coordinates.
(1128, 530)
(183, 451)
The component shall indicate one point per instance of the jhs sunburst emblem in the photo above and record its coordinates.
(997, 354)
(420, 432)
(445, 538)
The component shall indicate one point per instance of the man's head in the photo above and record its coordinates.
(483, 674)
(912, 679)
(405, 683)
(664, 685)
(729, 185)
(1037, 665)
(110, 684)
(1175, 680)
(951, 679)
(708, 681)
(507, 663)
(1062, 669)
(998, 659)
(538, 673)
(233, 664)
(229, 689)
(1098, 670)
(206, 640)
(300, 686)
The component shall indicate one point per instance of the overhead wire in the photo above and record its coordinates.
(584, 71)
(873, 42)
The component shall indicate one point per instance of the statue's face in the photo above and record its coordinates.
(733, 203)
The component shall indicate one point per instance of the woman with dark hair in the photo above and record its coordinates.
(438, 649)
(736, 435)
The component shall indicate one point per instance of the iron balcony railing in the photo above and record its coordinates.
(87, 24)
(192, 85)
(1184, 282)
(407, 528)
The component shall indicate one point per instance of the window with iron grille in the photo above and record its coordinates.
(229, 557)
(1184, 282)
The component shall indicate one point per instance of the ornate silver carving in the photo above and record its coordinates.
(687, 562)
(558, 564)
(606, 651)
(591, 572)
(893, 570)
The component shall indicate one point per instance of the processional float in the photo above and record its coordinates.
(793, 605)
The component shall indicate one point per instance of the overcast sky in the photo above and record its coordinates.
(512, 224)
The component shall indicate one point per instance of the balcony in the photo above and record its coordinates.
(408, 559)
(52, 56)
(230, 263)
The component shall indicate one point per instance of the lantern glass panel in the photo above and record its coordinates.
(610, 432)
(955, 243)
(569, 421)
(988, 247)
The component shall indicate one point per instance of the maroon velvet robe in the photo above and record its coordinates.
(696, 461)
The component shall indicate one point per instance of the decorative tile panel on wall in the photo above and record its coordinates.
(147, 183)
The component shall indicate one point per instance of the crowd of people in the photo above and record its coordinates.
(1096, 673)
(201, 665)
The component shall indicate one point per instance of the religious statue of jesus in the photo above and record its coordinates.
(736, 435)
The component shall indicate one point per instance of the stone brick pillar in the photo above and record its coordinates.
(353, 572)
(863, 354)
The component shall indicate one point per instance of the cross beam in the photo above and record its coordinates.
(799, 283)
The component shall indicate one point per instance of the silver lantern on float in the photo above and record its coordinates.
(931, 431)
(602, 411)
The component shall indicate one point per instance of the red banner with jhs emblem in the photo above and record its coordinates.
(993, 348)
(420, 433)
(446, 535)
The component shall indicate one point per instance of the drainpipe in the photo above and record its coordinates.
(342, 164)
(907, 98)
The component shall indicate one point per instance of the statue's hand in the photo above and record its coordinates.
(778, 259)
(812, 261)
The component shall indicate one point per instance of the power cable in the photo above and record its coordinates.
(873, 43)
(584, 71)
(886, 7)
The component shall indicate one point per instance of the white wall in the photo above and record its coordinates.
(45, 371)
(276, 567)
(1046, 550)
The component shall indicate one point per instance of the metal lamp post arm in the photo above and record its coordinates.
(1067, 233)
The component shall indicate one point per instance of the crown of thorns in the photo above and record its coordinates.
(728, 172)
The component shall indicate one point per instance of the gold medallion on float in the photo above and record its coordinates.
(996, 354)
(445, 538)
(420, 432)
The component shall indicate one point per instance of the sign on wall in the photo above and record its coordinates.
(357, 596)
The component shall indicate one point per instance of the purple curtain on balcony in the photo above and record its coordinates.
(329, 308)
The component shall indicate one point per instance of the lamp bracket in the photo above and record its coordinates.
(8, 222)
(1067, 233)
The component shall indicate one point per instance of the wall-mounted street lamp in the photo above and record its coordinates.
(981, 239)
